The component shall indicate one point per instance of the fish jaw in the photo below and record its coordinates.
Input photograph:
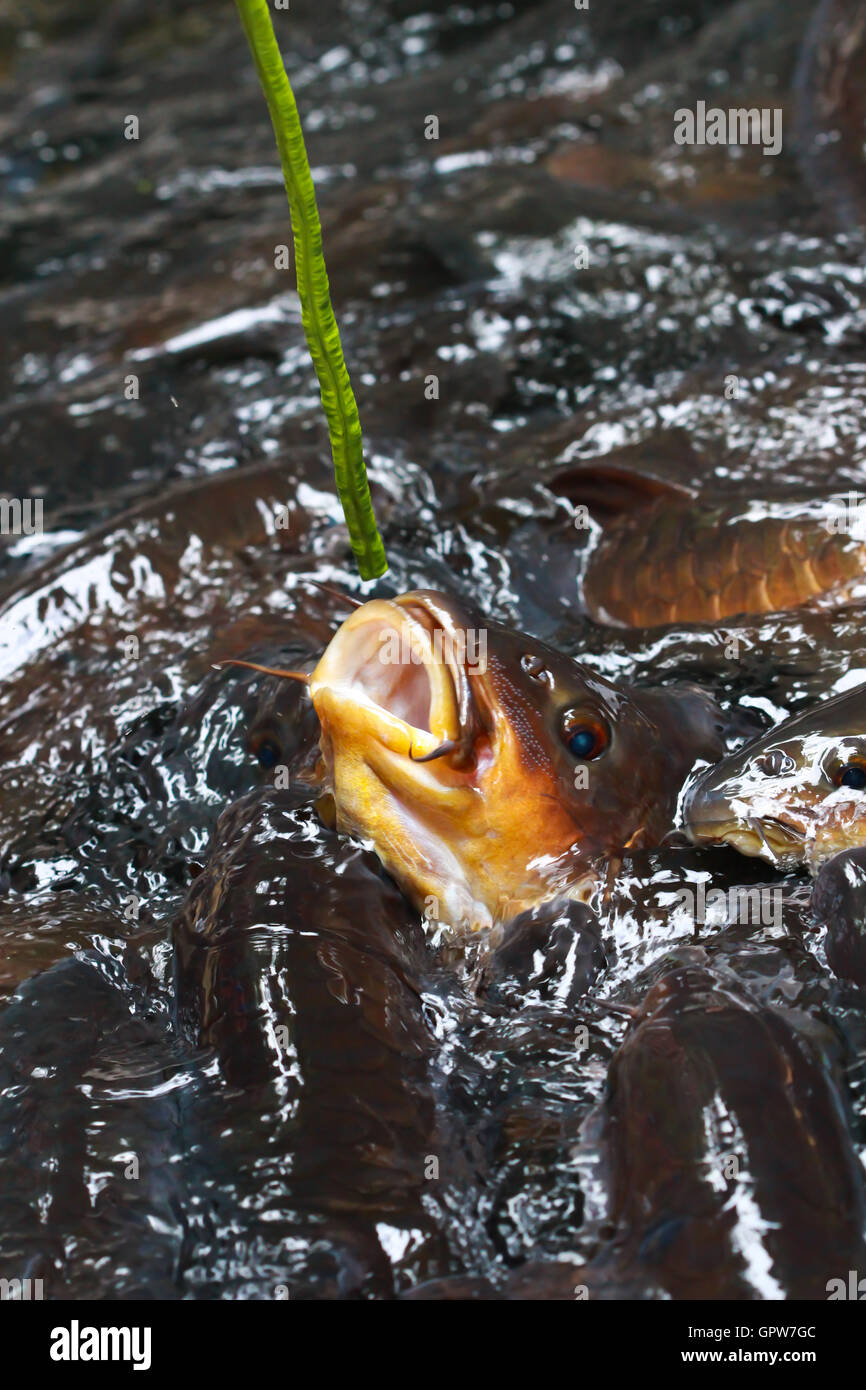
(712, 818)
(474, 836)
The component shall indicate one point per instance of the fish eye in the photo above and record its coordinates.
(536, 669)
(584, 736)
(267, 751)
(852, 775)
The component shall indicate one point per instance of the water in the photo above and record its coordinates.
(414, 1124)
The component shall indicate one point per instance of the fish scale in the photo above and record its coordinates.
(680, 562)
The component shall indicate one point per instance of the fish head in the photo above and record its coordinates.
(794, 796)
(489, 771)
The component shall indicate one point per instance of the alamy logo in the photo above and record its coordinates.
(848, 516)
(468, 649)
(853, 1289)
(741, 906)
(21, 1290)
(77, 1343)
(737, 126)
(20, 518)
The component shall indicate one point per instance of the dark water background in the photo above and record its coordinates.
(299, 1161)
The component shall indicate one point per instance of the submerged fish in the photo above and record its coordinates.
(685, 560)
(796, 795)
(839, 904)
(304, 969)
(830, 108)
(734, 1174)
(490, 772)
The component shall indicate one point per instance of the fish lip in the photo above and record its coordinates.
(777, 840)
(775, 835)
(789, 831)
(719, 810)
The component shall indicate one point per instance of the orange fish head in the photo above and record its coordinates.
(489, 771)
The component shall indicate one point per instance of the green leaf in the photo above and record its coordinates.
(317, 314)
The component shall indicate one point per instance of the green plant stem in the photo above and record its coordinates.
(317, 314)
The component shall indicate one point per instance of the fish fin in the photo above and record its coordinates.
(611, 489)
(327, 809)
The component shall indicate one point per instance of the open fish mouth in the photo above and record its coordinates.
(407, 741)
(402, 666)
(766, 837)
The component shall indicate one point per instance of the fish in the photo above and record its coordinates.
(91, 1084)
(796, 795)
(733, 1170)
(546, 953)
(661, 553)
(728, 1166)
(839, 904)
(303, 969)
(689, 560)
(829, 109)
(491, 772)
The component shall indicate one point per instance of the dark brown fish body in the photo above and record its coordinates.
(831, 108)
(552, 951)
(734, 1175)
(302, 967)
(839, 903)
(66, 1039)
(688, 561)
